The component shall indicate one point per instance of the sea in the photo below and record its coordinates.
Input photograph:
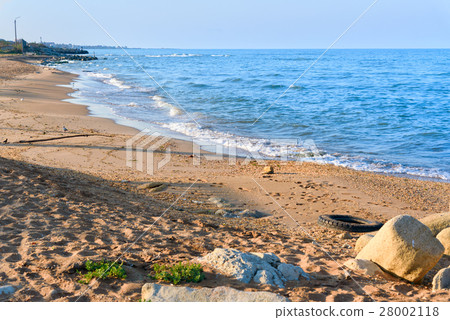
(380, 110)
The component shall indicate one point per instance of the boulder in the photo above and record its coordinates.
(437, 222)
(444, 238)
(245, 267)
(162, 293)
(404, 247)
(362, 241)
(442, 279)
(366, 267)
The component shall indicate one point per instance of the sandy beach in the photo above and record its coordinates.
(65, 201)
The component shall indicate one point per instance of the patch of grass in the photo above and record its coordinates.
(102, 270)
(187, 272)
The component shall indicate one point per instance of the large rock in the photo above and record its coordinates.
(444, 238)
(437, 222)
(404, 247)
(161, 293)
(442, 279)
(362, 242)
(268, 277)
(245, 267)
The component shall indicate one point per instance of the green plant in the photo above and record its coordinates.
(102, 270)
(188, 272)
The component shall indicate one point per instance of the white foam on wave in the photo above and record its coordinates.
(160, 103)
(133, 104)
(174, 55)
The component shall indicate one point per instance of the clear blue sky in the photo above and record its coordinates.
(232, 23)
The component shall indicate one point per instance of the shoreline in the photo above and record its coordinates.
(75, 199)
(381, 167)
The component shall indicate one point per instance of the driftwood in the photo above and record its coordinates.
(58, 138)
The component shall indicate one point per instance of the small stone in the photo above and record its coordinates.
(442, 279)
(216, 200)
(346, 246)
(404, 247)
(366, 267)
(251, 213)
(291, 272)
(267, 170)
(444, 238)
(362, 241)
(345, 235)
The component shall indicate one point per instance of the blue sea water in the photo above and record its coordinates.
(384, 111)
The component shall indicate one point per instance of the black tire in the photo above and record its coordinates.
(348, 223)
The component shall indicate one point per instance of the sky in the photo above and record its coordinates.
(231, 24)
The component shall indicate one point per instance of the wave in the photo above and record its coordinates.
(160, 103)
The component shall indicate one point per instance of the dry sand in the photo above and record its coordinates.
(65, 201)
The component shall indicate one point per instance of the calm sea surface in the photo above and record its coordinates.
(377, 110)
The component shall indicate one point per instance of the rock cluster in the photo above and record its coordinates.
(404, 247)
(160, 293)
(265, 268)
